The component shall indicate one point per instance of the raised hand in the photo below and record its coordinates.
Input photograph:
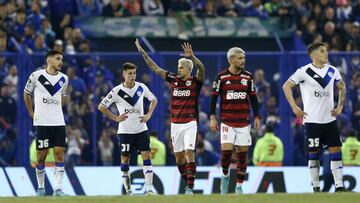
(139, 48)
(188, 52)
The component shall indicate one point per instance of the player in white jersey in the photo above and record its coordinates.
(133, 132)
(316, 81)
(49, 87)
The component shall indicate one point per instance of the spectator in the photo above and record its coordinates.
(272, 7)
(88, 8)
(351, 149)
(133, 6)
(48, 32)
(286, 13)
(19, 26)
(153, 8)
(75, 141)
(35, 17)
(115, 9)
(229, 9)
(58, 45)
(256, 10)
(343, 10)
(7, 105)
(8, 148)
(11, 80)
(269, 150)
(204, 157)
(40, 45)
(106, 148)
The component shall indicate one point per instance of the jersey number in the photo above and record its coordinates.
(43, 143)
(353, 153)
(225, 129)
(125, 147)
(271, 150)
(314, 142)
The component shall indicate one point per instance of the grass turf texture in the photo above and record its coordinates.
(253, 198)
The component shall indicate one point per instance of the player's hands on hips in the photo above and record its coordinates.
(139, 48)
(257, 123)
(299, 113)
(145, 118)
(335, 112)
(213, 124)
(188, 52)
(122, 117)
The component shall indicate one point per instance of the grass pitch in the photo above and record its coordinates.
(253, 198)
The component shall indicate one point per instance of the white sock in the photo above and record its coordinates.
(337, 171)
(59, 174)
(238, 184)
(314, 167)
(148, 173)
(126, 180)
(40, 176)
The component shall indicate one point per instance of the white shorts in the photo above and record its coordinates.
(235, 136)
(183, 136)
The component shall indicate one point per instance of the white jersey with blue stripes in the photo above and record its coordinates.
(317, 91)
(130, 100)
(48, 91)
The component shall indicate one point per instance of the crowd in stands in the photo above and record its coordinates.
(43, 25)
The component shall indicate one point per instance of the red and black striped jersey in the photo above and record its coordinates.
(184, 98)
(234, 91)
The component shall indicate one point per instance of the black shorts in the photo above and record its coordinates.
(50, 136)
(323, 135)
(140, 142)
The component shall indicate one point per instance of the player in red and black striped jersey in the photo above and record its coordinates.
(236, 89)
(185, 90)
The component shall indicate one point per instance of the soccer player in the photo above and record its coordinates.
(49, 86)
(132, 131)
(316, 81)
(236, 88)
(185, 91)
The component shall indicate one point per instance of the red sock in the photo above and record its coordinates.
(190, 172)
(225, 161)
(182, 170)
(241, 166)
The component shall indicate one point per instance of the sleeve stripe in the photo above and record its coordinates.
(103, 105)
(27, 91)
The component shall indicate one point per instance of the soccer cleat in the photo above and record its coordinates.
(238, 190)
(129, 192)
(40, 192)
(316, 189)
(189, 191)
(340, 189)
(224, 185)
(150, 192)
(59, 193)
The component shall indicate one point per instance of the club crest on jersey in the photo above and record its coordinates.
(138, 93)
(330, 74)
(61, 83)
(244, 82)
(188, 83)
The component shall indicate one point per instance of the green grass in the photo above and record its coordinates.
(253, 198)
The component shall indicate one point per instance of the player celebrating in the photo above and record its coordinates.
(184, 109)
(133, 132)
(316, 81)
(236, 87)
(49, 86)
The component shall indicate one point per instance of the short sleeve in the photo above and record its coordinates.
(170, 77)
(216, 86)
(109, 99)
(65, 86)
(337, 76)
(30, 84)
(148, 94)
(297, 77)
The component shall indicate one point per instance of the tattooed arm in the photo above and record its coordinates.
(152, 65)
(342, 95)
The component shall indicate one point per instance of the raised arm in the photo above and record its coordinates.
(287, 88)
(342, 95)
(188, 52)
(152, 65)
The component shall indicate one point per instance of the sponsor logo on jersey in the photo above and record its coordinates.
(230, 95)
(321, 94)
(133, 110)
(181, 93)
(50, 101)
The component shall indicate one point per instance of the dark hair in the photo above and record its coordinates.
(53, 53)
(314, 46)
(128, 66)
